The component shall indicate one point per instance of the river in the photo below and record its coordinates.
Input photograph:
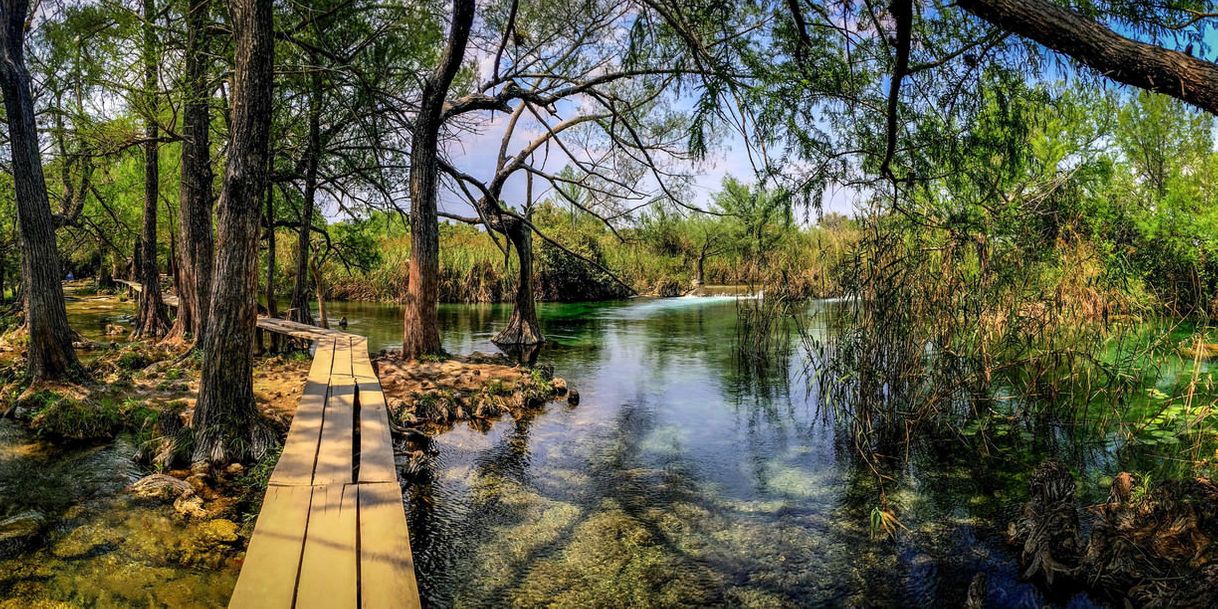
(681, 479)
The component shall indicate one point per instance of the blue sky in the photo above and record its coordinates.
(476, 153)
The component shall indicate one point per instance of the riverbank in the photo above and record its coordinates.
(682, 474)
(124, 497)
(100, 506)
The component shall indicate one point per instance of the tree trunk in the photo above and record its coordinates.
(272, 304)
(300, 291)
(700, 267)
(320, 287)
(195, 203)
(228, 426)
(420, 324)
(522, 327)
(173, 260)
(151, 321)
(272, 308)
(1124, 60)
(50, 348)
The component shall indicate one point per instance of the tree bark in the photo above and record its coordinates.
(272, 307)
(50, 339)
(320, 287)
(195, 195)
(228, 426)
(1135, 63)
(522, 327)
(300, 291)
(420, 324)
(151, 321)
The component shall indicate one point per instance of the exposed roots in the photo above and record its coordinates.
(1149, 547)
(235, 441)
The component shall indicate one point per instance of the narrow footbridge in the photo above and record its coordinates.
(332, 530)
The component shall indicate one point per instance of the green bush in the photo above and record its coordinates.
(68, 418)
(134, 360)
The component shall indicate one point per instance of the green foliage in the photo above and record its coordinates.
(497, 387)
(253, 484)
(750, 237)
(64, 417)
(134, 360)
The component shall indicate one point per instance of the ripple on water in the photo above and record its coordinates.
(94, 546)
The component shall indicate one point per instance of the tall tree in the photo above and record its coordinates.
(50, 339)
(150, 319)
(300, 290)
(343, 113)
(421, 327)
(228, 426)
(195, 202)
(619, 140)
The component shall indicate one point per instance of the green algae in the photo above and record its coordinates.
(128, 555)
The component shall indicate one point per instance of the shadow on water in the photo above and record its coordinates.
(687, 479)
(682, 479)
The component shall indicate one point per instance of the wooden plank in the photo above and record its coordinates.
(342, 356)
(336, 453)
(376, 462)
(329, 568)
(268, 576)
(376, 442)
(387, 579)
(361, 363)
(299, 456)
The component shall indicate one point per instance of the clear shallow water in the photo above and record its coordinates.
(683, 480)
(680, 480)
(70, 536)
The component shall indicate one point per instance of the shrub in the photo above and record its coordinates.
(134, 360)
(73, 419)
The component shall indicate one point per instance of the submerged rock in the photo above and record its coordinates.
(87, 540)
(190, 505)
(159, 486)
(210, 543)
(218, 531)
(21, 526)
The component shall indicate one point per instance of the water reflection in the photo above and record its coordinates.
(686, 479)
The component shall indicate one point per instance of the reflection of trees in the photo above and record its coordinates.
(806, 550)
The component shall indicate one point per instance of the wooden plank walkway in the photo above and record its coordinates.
(332, 530)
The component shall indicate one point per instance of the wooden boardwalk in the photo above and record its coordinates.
(332, 530)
